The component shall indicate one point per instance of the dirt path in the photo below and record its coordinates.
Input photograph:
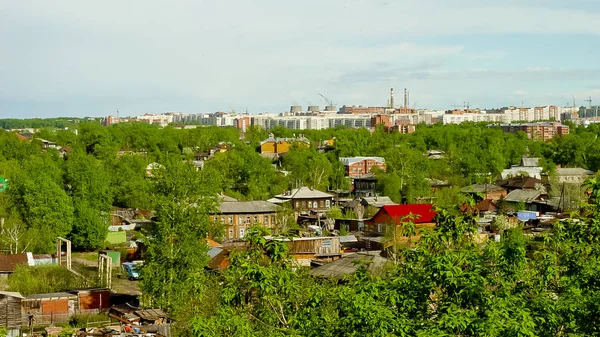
(84, 263)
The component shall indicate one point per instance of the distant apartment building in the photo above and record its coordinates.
(162, 119)
(357, 166)
(361, 110)
(537, 131)
(507, 115)
(589, 112)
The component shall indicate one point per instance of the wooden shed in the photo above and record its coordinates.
(92, 299)
(10, 309)
(50, 308)
(309, 248)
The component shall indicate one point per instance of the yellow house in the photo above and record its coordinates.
(277, 146)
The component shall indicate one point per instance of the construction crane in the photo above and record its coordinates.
(589, 100)
(329, 102)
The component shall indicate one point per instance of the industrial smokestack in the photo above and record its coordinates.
(405, 98)
(392, 98)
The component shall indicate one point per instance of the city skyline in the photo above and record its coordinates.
(84, 59)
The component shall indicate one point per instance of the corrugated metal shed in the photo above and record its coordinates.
(348, 264)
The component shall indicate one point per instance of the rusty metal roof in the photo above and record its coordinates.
(9, 262)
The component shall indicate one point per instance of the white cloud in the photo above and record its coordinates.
(248, 52)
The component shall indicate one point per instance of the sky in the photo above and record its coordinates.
(92, 58)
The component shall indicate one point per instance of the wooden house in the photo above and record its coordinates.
(10, 309)
(238, 216)
(309, 248)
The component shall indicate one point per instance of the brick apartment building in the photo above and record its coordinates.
(537, 131)
(361, 110)
(357, 166)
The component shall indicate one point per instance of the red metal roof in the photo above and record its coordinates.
(423, 212)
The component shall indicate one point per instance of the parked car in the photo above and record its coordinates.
(132, 271)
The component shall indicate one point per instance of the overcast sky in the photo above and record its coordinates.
(90, 58)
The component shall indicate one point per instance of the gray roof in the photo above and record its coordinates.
(11, 294)
(348, 264)
(289, 140)
(482, 188)
(378, 201)
(523, 195)
(50, 295)
(214, 251)
(530, 162)
(229, 207)
(351, 160)
(304, 193)
(573, 171)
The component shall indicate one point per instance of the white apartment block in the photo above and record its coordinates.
(509, 115)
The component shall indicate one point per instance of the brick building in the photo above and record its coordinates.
(361, 110)
(537, 131)
(357, 166)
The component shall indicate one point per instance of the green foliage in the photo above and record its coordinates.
(243, 173)
(308, 167)
(35, 123)
(176, 252)
(88, 183)
(43, 279)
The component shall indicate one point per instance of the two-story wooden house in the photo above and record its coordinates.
(237, 216)
(306, 200)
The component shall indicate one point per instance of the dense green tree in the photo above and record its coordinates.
(176, 250)
(88, 183)
(308, 167)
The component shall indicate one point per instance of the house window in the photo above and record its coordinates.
(379, 228)
(230, 220)
(327, 203)
(222, 219)
(315, 205)
(304, 204)
(247, 220)
(256, 219)
(240, 219)
(242, 232)
(297, 204)
(230, 233)
(266, 219)
(272, 219)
